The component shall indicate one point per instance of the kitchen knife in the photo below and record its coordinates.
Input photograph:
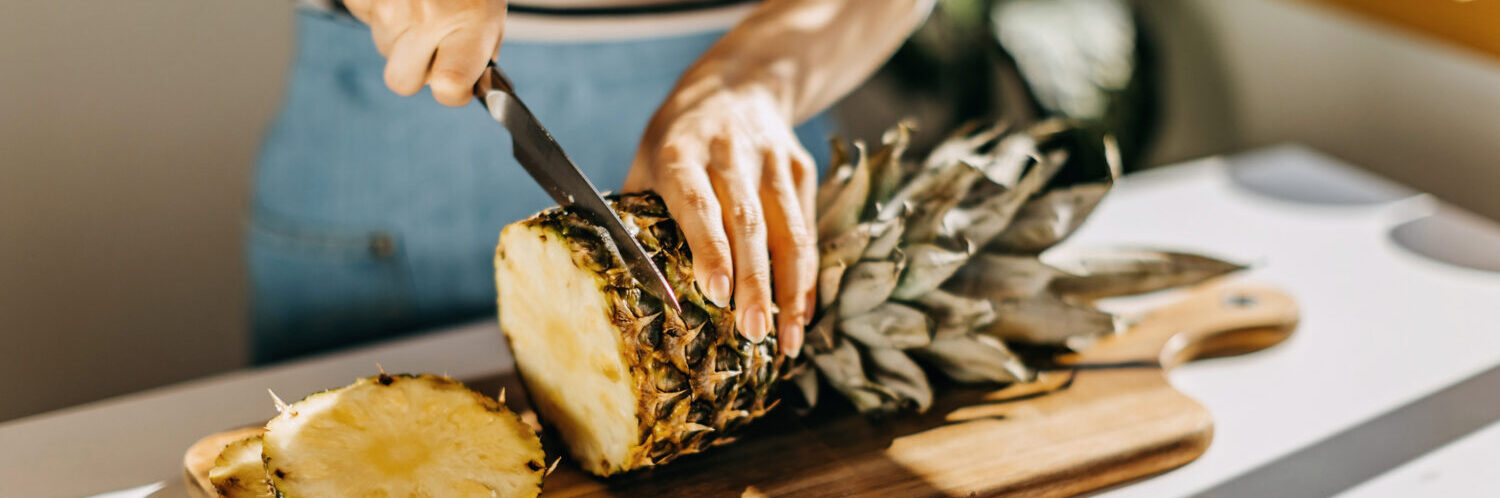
(545, 160)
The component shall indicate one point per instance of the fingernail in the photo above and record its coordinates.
(812, 307)
(791, 335)
(755, 324)
(719, 289)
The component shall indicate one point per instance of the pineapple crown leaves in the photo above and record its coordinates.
(937, 262)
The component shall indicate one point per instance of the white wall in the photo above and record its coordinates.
(127, 131)
(126, 134)
(1417, 110)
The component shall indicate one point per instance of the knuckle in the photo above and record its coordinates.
(695, 201)
(717, 255)
(747, 217)
(669, 152)
(722, 165)
(712, 251)
(789, 303)
(759, 277)
(802, 275)
(804, 245)
(793, 232)
(723, 147)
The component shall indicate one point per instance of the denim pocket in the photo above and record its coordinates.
(317, 286)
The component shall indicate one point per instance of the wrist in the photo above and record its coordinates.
(770, 82)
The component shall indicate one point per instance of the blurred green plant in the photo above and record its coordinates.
(1085, 60)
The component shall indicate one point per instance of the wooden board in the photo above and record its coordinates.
(1095, 419)
(201, 456)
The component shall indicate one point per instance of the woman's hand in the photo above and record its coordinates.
(741, 186)
(721, 152)
(444, 44)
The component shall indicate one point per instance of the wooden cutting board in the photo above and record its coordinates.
(1095, 419)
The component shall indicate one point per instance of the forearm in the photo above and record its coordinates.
(806, 54)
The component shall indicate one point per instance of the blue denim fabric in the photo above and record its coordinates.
(376, 215)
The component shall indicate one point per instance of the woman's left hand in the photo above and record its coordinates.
(741, 187)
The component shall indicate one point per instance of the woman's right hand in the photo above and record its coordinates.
(444, 44)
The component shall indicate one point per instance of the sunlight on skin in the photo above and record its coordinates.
(814, 17)
(820, 49)
(722, 153)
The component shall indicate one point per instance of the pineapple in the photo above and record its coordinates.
(239, 472)
(626, 381)
(400, 435)
(935, 262)
(940, 261)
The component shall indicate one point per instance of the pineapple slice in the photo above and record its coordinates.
(574, 368)
(239, 472)
(627, 382)
(401, 435)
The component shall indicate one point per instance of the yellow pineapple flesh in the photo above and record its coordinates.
(402, 435)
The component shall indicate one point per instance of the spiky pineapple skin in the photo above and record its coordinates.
(695, 380)
(239, 472)
(901, 244)
(288, 470)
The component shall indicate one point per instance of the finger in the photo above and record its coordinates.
(689, 195)
(387, 20)
(459, 60)
(745, 222)
(794, 255)
(360, 9)
(805, 176)
(409, 60)
(385, 37)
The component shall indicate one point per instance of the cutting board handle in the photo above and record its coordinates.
(1213, 320)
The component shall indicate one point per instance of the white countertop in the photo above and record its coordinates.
(1466, 467)
(1382, 326)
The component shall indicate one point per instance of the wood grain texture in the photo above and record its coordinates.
(1093, 420)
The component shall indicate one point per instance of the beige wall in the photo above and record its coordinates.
(127, 131)
(126, 134)
(1420, 111)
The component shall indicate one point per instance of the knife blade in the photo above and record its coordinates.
(546, 162)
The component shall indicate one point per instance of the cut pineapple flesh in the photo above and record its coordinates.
(628, 382)
(239, 471)
(401, 436)
(567, 348)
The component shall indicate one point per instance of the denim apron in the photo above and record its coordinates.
(375, 215)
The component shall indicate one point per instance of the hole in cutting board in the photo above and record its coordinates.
(1453, 237)
(1297, 174)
